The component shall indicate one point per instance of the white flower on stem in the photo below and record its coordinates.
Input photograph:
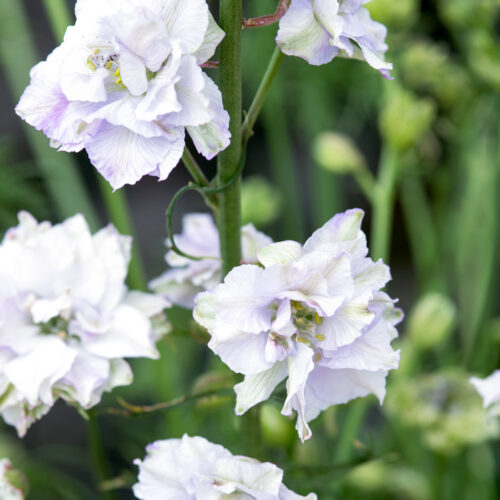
(126, 85)
(9, 487)
(313, 314)
(489, 389)
(319, 30)
(67, 319)
(200, 238)
(194, 468)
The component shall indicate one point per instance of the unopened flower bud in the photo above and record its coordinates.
(338, 153)
(431, 321)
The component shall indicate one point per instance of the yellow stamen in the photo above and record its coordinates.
(317, 357)
(117, 72)
(320, 337)
(302, 340)
(91, 65)
(108, 65)
(118, 81)
(96, 51)
(318, 319)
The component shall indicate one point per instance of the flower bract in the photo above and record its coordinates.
(314, 315)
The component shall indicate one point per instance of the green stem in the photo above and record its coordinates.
(194, 169)
(116, 203)
(261, 94)
(229, 219)
(101, 466)
(383, 204)
(119, 213)
(422, 233)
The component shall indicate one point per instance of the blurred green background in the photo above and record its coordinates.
(420, 154)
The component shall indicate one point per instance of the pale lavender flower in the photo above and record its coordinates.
(319, 30)
(193, 468)
(67, 319)
(126, 85)
(489, 390)
(313, 314)
(200, 238)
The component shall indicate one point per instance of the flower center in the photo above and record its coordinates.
(105, 58)
(56, 326)
(307, 320)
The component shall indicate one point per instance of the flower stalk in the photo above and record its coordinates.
(261, 94)
(229, 219)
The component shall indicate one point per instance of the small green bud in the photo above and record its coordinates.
(405, 118)
(431, 321)
(260, 202)
(276, 429)
(338, 153)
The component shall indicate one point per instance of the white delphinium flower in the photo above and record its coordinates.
(489, 390)
(319, 30)
(126, 84)
(9, 489)
(194, 468)
(312, 313)
(200, 238)
(67, 319)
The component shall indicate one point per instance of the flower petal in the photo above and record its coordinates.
(258, 387)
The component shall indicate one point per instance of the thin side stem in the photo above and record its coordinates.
(383, 204)
(194, 169)
(101, 466)
(229, 220)
(119, 214)
(261, 94)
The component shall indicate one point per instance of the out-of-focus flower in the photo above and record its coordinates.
(312, 313)
(67, 319)
(126, 84)
(13, 485)
(489, 389)
(200, 238)
(193, 468)
(406, 118)
(444, 406)
(319, 30)
(382, 479)
(402, 13)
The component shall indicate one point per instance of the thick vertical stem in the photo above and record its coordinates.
(229, 220)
